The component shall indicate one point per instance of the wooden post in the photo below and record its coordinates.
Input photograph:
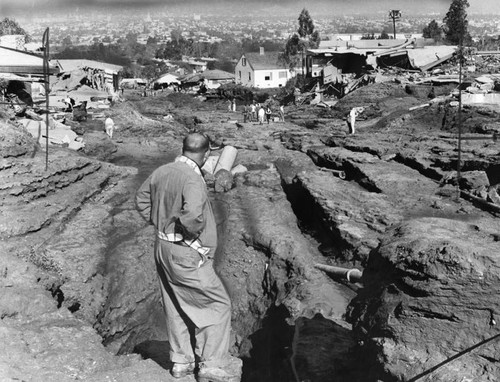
(46, 80)
(459, 159)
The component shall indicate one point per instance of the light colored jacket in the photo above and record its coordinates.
(175, 199)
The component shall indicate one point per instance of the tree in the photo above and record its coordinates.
(66, 42)
(10, 27)
(456, 23)
(305, 38)
(433, 30)
(384, 35)
(306, 24)
(131, 37)
(306, 30)
(176, 36)
(151, 41)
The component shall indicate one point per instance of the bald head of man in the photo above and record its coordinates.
(196, 147)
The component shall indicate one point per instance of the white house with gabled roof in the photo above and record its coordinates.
(262, 70)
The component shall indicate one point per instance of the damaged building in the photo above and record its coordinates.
(342, 65)
(23, 73)
(100, 76)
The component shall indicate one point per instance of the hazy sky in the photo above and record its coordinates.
(12, 7)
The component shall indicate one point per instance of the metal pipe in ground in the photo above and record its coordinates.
(352, 275)
(339, 173)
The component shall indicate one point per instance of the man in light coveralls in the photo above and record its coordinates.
(197, 306)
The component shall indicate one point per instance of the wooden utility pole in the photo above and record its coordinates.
(394, 15)
(46, 81)
(459, 159)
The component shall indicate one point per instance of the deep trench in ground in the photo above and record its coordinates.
(271, 352)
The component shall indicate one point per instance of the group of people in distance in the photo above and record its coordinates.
(256, 112)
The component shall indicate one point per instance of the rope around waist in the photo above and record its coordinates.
(177, 238)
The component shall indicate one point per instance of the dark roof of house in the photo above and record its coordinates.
(69, 65)
(268, 60)
(213, 75)
(217, 74)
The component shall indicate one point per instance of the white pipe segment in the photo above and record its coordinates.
(226, 159)
(352, 275)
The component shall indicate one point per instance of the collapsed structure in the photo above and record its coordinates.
(98, 75)
(74, 86)
(340, 65)
(23, 73)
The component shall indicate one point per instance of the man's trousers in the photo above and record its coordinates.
(197, 306)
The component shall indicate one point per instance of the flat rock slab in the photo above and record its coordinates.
(356, 217)
(402, 184)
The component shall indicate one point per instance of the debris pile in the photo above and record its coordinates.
(428, 71)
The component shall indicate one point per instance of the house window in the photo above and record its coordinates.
(244, 61)
(240, 74)
(269, 77)
(282, 74)
(249, 76)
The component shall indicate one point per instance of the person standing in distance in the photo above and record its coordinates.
(197, 306)
(109, 126)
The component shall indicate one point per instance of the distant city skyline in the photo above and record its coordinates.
(339, 7)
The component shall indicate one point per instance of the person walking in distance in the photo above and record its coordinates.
(262, 115)
(197, 306)
(351, 118)
(282, 113)
(269, 113)
(253, 112)
(245, 113)
(109, 126)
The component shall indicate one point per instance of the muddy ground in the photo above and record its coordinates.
(78, 280)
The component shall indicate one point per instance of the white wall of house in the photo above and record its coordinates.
(243, 73)
(271, 78)
(268, 78)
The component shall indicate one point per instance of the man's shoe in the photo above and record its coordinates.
(229, 372)
(180, 370)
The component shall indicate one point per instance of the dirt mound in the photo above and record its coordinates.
(126, 113)
(442, 116)
(419, 120)
(14, 140)
(370, 96)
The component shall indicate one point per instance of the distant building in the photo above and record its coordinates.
(330, 64)
(22, 63)
(212, 79)
(108, 73)
(261, 70)
(197, 65)
(340, 38)
(20, 66)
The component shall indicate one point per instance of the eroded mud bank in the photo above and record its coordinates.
(77, 257)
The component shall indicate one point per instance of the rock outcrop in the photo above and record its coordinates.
(427, 309)
(51, 265)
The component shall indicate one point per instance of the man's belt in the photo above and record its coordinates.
(177, 238)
